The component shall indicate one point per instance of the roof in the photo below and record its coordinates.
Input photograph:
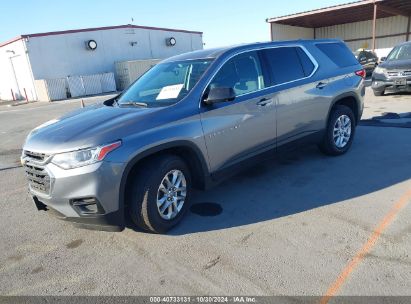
(93, 29)
(345, 13)
(200, 54)
(217, 52)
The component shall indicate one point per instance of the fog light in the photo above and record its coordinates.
(87, 206)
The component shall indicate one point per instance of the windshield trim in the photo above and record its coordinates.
(188, 60)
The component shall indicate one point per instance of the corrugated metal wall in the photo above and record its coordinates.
(56, 88)
(75, 86)
(385, 26)
(287, 32)
(92, 84)
(108, 83)
(357, 30)
(128, 71)
(360, 32)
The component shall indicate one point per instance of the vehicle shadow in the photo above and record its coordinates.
(397, 94)
(304, 180)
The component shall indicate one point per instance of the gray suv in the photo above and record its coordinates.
(189, 122)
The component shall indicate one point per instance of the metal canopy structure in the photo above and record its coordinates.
(348, 13)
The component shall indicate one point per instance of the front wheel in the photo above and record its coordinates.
(340, 131)
(160, 194)
(378, 93)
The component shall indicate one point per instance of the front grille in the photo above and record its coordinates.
(33, 156)
(399, 73)
(38, 178)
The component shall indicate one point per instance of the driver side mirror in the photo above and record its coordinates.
(219, 95)
(383, 59)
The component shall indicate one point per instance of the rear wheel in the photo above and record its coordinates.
(160, 194)
(340, 131)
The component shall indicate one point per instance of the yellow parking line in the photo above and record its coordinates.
(359, 256)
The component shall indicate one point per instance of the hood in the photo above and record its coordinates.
(396, 64)
(87, 127)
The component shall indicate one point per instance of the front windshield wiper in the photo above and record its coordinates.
(132, 103)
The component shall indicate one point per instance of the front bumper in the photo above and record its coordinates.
(381, 82)
(87, 196)
(113, 221)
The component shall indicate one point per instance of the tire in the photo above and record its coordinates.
(329, 145)
(142, 201)
(378, 93)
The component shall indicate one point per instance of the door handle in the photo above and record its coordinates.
(264, 102)
(321, 85)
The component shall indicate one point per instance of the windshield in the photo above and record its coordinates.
(402, 52)
(165, 84)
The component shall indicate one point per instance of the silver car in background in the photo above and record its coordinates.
(393, 75)
(189, 122)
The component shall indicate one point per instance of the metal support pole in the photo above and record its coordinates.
(374, 27)
(408, 28)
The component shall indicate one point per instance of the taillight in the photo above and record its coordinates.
(362, 73)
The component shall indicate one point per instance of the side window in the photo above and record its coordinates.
(308, 65)
(285, 64)
(339, 53)
(242, 73)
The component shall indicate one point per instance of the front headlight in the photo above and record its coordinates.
(379, 70)
(80, 158)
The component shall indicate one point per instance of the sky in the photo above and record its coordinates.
(224, 22)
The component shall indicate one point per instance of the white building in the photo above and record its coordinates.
(39, 64)
(369, 24)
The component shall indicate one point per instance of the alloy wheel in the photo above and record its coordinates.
(342, 131)
(171, 194)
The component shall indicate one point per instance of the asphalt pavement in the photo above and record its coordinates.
(302, 224)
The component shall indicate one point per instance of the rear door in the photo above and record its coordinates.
(300, 104)
(246, 126)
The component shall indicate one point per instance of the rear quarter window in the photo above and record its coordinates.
(307, 64)
(338, 53)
